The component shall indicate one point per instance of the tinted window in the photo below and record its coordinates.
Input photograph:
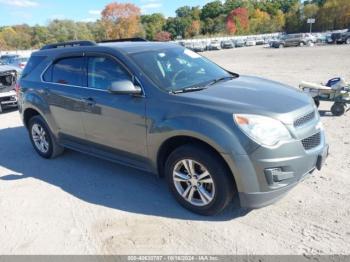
(103, 72)
(33, 62)
(69, 71)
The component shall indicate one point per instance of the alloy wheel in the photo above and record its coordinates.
(40, 138)
(193, 182)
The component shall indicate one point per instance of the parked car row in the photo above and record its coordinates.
(216, 44)
(306, 39)
(276, 40)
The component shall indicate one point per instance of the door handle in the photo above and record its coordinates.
(89, 101)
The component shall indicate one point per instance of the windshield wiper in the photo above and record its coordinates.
(220, 79)
(188, 89)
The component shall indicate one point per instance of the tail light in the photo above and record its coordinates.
(17, 88)
(22, 65)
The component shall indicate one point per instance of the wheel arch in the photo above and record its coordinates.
(172, 143)
(28, 114)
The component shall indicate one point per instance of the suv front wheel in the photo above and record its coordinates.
(42, 138)
(199, 180)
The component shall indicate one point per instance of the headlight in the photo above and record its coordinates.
(263, 130)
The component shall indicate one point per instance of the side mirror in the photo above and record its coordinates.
(124, 87)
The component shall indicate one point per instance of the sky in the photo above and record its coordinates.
(42, 11)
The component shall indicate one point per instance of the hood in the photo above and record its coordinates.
(254, 95)
(5, 68)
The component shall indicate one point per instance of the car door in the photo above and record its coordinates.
(114, 124)
(288, 40)
(297, 39)
(63, 82)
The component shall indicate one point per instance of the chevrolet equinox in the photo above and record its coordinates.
(213, 134)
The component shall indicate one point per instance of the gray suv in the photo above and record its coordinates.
(294, 40)
(213, 134)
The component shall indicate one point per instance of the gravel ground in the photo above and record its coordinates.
(77, 204)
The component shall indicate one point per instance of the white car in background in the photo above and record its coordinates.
(250, 42)
(8, 80)
(199, 46)
(215, 45)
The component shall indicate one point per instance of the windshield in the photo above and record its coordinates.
(178, 68)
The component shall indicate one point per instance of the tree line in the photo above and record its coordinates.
(230, 17)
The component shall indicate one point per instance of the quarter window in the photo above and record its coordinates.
(104, 72)
(69, 71)
(33, 62)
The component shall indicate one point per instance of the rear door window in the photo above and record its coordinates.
(69, 71)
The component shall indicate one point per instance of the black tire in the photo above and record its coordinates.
(317, 102)
(347, 41)
(54, 149)
(338, 109)
(0, 108)
(222, 178)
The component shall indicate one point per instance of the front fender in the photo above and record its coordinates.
(223, 138)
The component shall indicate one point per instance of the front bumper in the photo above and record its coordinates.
(8, 99)
(257, 187)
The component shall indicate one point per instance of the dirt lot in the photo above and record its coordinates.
(77, 204)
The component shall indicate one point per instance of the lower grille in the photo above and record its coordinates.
(312, 141)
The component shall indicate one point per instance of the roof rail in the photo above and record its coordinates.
(134, 39)
(68, 44)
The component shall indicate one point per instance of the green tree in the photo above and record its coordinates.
(97, 30)
(62, 30)
(214, 26)
(294, 21)
(278, 22)
(310, 10)
(334, 14)
(177, 26)
(260, 22)
(184, 11)
(152, 24)
(320, 3)
(230, 5)
(40, 36)
(212, 10)
(10, 37)
(3, 45)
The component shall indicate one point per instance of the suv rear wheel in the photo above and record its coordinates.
(198, 180)
(347, 41)
(42, 138)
